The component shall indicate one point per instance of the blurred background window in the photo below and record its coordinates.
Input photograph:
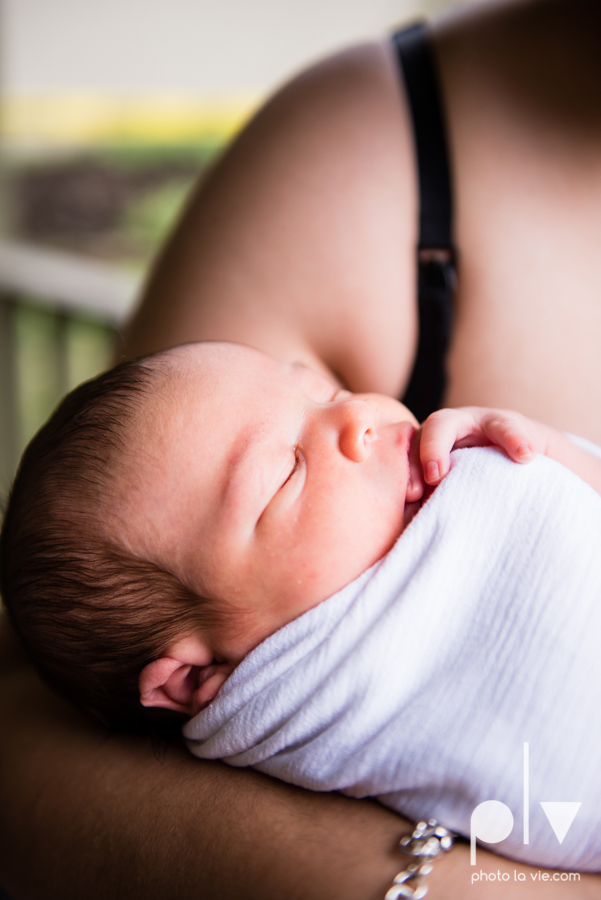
(110, 109)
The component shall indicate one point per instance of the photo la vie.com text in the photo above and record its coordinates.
(492, 821)
(521, 876)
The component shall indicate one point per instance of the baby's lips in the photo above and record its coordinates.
(415, 484)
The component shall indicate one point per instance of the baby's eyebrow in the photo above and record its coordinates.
(315, 381)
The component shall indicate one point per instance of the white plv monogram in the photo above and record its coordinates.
(492, 821)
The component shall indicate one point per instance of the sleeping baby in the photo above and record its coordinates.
(211, 534)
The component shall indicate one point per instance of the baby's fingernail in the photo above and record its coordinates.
(523, 450)
(432, 471)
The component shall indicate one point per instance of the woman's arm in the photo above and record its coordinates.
(86, 814)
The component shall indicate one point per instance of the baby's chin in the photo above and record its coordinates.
(411, 510)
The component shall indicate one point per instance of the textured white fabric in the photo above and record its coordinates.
(419, 682)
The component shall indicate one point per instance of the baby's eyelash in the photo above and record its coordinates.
(294, 465)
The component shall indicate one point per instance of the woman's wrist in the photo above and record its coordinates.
(428, 841)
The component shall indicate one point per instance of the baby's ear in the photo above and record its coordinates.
(185, 680)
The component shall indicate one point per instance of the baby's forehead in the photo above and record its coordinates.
(215, 372)
(202, 388)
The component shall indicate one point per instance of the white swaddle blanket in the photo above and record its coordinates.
(420, 682)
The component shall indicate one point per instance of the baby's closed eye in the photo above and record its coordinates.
(294, 466)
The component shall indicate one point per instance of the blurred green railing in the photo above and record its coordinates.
(59, 316)
(105, 178)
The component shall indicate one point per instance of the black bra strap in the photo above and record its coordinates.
(418, 67)
(436, 254)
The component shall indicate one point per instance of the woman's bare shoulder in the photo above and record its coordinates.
(301, 240)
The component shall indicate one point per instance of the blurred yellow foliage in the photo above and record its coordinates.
(84, 120)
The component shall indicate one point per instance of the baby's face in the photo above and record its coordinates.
(262, 485)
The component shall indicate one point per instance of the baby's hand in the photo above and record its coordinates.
(474, 426)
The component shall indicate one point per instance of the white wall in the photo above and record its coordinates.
(198, 46)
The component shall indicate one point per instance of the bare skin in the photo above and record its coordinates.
(307, 253)
(300, 243)
(86, 814)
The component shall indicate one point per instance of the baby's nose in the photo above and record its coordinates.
(357, 426)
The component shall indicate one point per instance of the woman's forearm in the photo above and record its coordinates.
(85, 814)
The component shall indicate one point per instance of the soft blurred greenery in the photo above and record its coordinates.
(115, 204)
(53, 354)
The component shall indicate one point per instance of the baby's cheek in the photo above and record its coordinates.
(353, 550)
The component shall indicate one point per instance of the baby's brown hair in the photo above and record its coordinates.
(89, 614)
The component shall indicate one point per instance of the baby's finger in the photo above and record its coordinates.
(510, 431)
(440, 432)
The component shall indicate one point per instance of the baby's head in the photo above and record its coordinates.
(176, 511)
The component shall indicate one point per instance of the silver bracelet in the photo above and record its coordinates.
(428, 841)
